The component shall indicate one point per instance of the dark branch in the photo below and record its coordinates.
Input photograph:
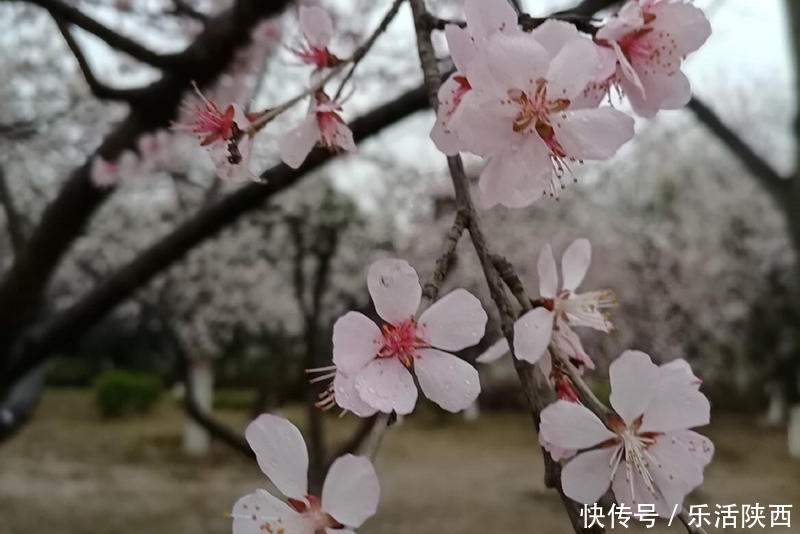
(40, 341)
(61, 11)
(538, 391)
(182, 8)
(16, 228)
(216, 429)
(211, 54)
(99, 89)
(776, 185)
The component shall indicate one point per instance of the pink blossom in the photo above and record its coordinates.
(561, 310)
(349, 496)
(316, 26)
(519, 116)
(485, 19)
(232, 158)
(103, 173)
(647, 455)
(553, 35)
(374, 363)
(323, 126)
(650, 39)
(207, 122)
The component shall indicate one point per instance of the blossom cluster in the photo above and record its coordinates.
(531, 103)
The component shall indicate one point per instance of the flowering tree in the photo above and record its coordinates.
(532, 99)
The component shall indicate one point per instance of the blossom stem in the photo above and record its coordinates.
(587, 396)
(269, 115)
(362, 51)
(537, 389)
(376, 436)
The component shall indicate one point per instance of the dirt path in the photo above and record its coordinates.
(70, 473)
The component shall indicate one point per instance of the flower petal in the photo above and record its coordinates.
(442, 134)
(548, 276)
(572, 426)
(633, 377)
(346, 396)
(575, 262)
(592, 134)
(587, 476)
(499, 349)
(447, 380)
(298, 143)
(394, 287)
(281, 453)
(517, 176)
(454, 322)
(572, 69)
(682, 25)
(675, 405)
(532, 333)
(700, 447)
(554, 34)
(630, 489)
(488, 17)
(356, 341)
(387, 386)
(316, 25)
(259, 512)
(462, 48)
(351, 490)
(509, 62)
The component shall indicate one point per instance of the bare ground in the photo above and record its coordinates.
(69, 472)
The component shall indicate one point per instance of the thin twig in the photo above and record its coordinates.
(587, 396)
(445, 260)
(61, 11)
(358, 57)
(538, 390)
(98, 88)
(268, 115)
(376, 436)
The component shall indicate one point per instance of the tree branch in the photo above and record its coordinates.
(41, 340)
(16, 228)
(99, 89)
(536, 387)
(181, 7)
(215, 428)
(22, 289)
(62, 12)
(773, 183)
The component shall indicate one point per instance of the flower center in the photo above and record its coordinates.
(635, 46)
(401, 341)
(632, 448)
(319, 57)
(585, 307)
(534, 116)
(311, 509)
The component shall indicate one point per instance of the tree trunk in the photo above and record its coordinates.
(196, 439)
(794, 431)
(778, 408)
(792, 377)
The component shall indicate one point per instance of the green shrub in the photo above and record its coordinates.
(234, 399)
(119, 393)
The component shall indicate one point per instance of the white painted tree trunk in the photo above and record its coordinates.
(777, 409)
(794, 431)
(472, 412)
(196, 439)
